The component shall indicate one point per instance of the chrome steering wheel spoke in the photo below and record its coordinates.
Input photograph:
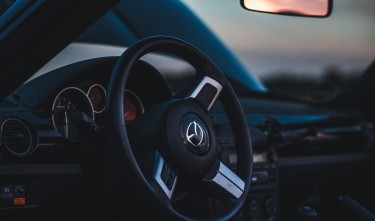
(224, 181)
(207, 92)
(165, 176)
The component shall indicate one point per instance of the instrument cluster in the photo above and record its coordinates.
(72, 100)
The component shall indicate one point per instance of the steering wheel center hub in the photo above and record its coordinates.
(183, 134)
(196, 137)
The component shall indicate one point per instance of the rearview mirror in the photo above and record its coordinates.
(308, 8)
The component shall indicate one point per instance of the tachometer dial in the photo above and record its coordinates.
(69, 101)
(133, 106)
(96, 94)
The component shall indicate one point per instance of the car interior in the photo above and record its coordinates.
(138, 110)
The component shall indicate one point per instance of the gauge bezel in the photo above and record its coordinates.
(105, 94)
(136, 99)
(58, 95)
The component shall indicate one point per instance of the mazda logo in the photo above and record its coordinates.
(196, 134)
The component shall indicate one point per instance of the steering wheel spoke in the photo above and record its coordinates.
(165, 176)
(207, 92)
(224, 181)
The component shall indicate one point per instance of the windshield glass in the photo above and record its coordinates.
(307, 58)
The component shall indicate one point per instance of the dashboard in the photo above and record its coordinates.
(45, 123)
(40, 117)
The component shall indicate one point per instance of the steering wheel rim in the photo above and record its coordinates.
(119, 140)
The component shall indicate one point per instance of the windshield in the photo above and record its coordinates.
(307, 58)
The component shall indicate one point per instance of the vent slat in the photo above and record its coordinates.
(7, 103)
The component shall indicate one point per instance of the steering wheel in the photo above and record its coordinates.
(181, 133)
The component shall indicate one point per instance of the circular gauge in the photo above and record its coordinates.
(68, 102)
(133, 106)
(96, 94)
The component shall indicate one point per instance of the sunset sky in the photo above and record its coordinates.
(267, 43)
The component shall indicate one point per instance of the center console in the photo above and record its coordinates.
(262, 203)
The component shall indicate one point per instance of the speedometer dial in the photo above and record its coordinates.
(96, 94)
(68, 102)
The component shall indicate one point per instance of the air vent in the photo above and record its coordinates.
(7, 103)
(16, 137)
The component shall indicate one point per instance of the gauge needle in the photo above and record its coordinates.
(66, 130)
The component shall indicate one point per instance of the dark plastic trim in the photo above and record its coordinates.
(40, 169)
